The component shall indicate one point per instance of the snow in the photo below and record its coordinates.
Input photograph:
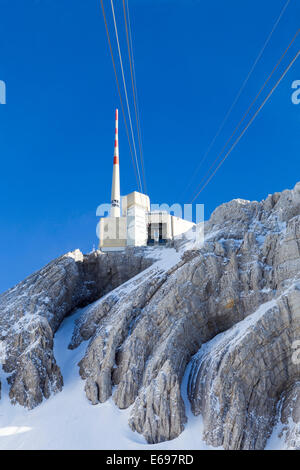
(67, 420)
(277, 439)
(166, 258)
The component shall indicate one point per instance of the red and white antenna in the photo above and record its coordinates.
(116, 153)
(115, 190)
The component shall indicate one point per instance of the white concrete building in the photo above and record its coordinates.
(132, 223)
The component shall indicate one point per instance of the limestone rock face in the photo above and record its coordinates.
(236, 379)
(229, 310)
(250, 258)
(289, 415)
(29, 315)
(31, 312)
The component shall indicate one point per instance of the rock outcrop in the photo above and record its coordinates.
(286, 431)
(31, 312)
(250, 257)
(231, 307)
(237, 379)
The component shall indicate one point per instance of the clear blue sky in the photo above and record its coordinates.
(57, 128)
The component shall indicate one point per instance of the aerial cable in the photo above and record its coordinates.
(134, 87)
(119, 90)
(134, 76)
(125, 89)
(239, 94)
(249, 109)
(249, 123)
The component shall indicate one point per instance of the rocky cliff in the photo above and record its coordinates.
(230, 309)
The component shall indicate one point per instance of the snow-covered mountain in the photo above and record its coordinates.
(183, 347)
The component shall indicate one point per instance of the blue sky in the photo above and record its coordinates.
(57, 128)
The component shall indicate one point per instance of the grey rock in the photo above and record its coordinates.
(236, 382)
(288, 415)
(250, 257)
(32, 311)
